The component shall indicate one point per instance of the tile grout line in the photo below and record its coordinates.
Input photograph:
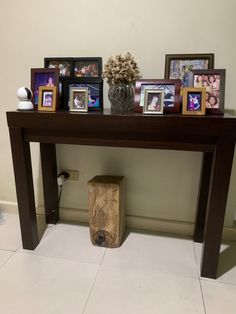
(94, 281)
(203, 300)
(199, 278)
(13, 253)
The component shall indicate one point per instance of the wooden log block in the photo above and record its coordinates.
(107, 212)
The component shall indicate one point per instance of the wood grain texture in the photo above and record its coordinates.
(107, 212)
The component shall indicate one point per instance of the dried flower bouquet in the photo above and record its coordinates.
(121, 69)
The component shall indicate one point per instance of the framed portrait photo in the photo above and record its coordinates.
(47, 98)
(87, 67)
(153, 101)
(95, 93)
(178, 66)
(79, 99)
(194, 100)
(65, 65)
(214, 83)
(43, 77)
(171, 90)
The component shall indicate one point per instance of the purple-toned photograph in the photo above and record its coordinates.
(194, 101)
(43, 77)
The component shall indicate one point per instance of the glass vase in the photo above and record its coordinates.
(121, 97)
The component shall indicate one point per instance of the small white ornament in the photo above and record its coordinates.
(24, 95)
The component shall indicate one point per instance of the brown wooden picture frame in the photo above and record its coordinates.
(41, 77)
(47, 98)
(214, 90)
(191, 61)
(165, 85)
(194, 101)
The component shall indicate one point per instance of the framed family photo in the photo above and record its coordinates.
(65, 65)
(87, 67)
(194, 101)
(153, 101)
(43, 77)
(171, 89)
(95, 93)
(47, 98)
(78, 99)
(214, 83)
(178, 66)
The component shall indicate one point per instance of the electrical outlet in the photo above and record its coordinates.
(73, 175)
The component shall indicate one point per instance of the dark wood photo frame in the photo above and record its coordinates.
(178, 66)
(63, 63)
(95, 95)
(87, 67)
(215, 91)
(141, 85)
(43, 77)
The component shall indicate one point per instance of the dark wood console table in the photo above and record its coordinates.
(215, 136)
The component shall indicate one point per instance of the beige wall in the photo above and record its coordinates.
(160, 184)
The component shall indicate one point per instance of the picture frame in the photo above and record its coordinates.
(194, 101)
(87, 67)
(64, 64)
(47, 98)
(43, 77)
(214, 83)
(178, 66)
(79, 99)
(171, 93)
(95, 93)
(154, 101)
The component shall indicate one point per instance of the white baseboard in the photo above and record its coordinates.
(133, 222)
(9, 207)
(144, 223)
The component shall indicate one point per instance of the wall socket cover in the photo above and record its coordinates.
(73, 174)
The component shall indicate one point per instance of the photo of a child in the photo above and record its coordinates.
(47, 99)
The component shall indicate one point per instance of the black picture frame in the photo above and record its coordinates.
(95, 89)
(40, 77)
(178, 66)
(142, 84)
(214, 90)
(65, 64)
(87, 67)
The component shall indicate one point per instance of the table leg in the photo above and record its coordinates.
(50, 188)
(203, 197)
(223, 159)
(24, 188)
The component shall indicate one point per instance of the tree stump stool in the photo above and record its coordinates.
(107, 212)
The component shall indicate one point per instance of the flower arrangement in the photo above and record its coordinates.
(121, 69)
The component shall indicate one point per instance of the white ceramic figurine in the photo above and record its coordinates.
(24, 95)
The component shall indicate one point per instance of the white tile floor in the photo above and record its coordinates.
(148, 274)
